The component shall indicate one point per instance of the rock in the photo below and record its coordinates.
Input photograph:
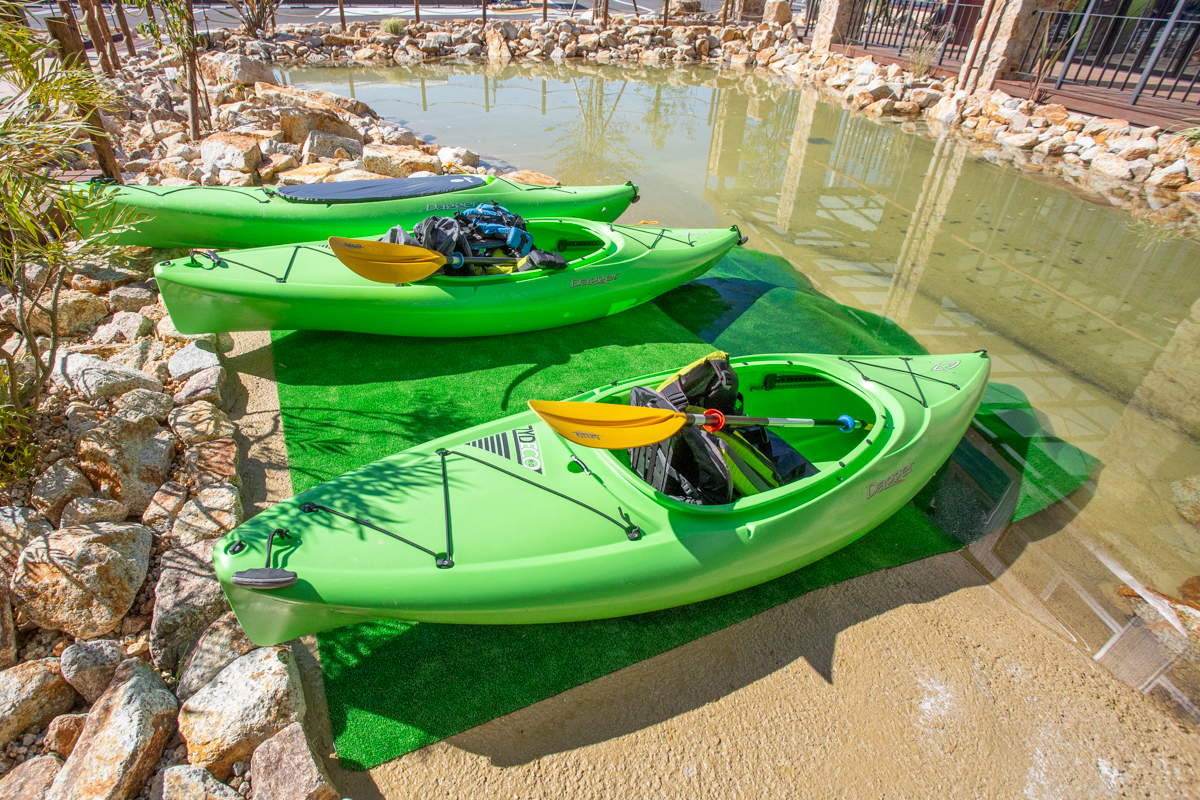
(299, 123)
(1140, 148)
(164, 506)
(231, 68)
(285, 768)
(1019, 141)
(166, 330)
(880, 107)
(213, 462)
(398, 162)
(458, 155)
(326, 145)
(1172, 176)
(92, 378)
(219, 645)
(188, 598)
(1112, 165)
(122, 739)
(209, 385)
(275, 164)
(528, 176)
(31, 779)
(776, 11)
(32, 693)
(926, 97)
(132, 325)
(18, 525)
(76, 311)
(83, 580)
(85, 510)
(138, 354)
(186, 782)
(143, 401)
(1187, 498)
(1140, 168)
(201, 422)
(231, 151)
(58, 485)
(247, 703)
(948, 110)
(64, 732)
(1054, 146)
(8, 632)
(195, 357)
(213, 512)
(309, 173)
(89, 666)
(130, 458)
(498, 51)
(157, 130)
(100, 278)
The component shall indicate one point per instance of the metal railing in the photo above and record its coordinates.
(1155, 56)
(940, 30)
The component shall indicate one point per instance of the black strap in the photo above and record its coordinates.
(919, 397)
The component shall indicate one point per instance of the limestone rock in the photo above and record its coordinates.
(186, 782)
(215, 511)
(221, 644)
(217, 461)
(398, 162)
(92, 378)
(309, 173)
(211, 384)
(326, 145)
(232, 68)
(32, 693)
(298, 123)
(143, 401)
(30, 780)
(1112, 165)
(231, 151)
(949, 109)
(201, 422)
(122, 739)
(130, 458)
(195, 357)
(132, 325)
(83, 580)
(166, 330)
(63, 733)
(164, 506)
(85, 510)
(18, 525)
(76, 311)
(275, 164)
(89, 666)
(57, 486)
(458, 155)
(248, 702)
(776, 11)
(285, 768)
(138, 354)
(130, 298)
(188, 598)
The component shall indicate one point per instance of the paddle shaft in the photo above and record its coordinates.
(781, 422)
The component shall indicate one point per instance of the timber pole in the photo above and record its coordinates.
(106, 32)
(193, 78)
(342, 14)
(89, 16)
(73, 56)
(545, 10)
(124, 23)
(666, 11)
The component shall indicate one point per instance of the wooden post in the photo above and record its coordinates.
(544, 10)
(193, 79)
(153, 20)
(89, 16)
(604, 11)
(342, 14)
(73, 56)
(124, 23)
(666, 10)
(109, 42)
(68, 16)
(483, 5)
(636, 13)
(417, 11)
(724, 12)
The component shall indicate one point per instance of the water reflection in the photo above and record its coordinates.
(1061, 491)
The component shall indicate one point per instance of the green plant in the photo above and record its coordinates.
(392, 25)
(256, 15)
(924, 52)
(179, 26)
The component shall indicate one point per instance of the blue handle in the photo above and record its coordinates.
(848, 423)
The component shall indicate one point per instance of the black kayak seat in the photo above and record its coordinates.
(370, 191)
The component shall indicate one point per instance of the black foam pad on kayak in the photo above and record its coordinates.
(367, 191)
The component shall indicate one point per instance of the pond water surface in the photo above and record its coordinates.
(1091, 319)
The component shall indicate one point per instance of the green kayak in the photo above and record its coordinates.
(229, 217)
(507, 522)
(610, 268)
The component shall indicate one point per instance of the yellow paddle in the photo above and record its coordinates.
(615, 427)
(386, 262)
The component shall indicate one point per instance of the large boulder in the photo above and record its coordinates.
(83, 580)
(211, 384)
(326, 145)
(458, 155)
(298, 123)
(231, 151)
(313, 98)
(32, 693)
(57, 486)
(186, 782)
(195, 357)
(31, 779)
(76, 311)
(93, 378)
(220, 645)
(398, 162)
(248, 702)
(285, 768)
(201, 422)
(122, 739)
(211, 462)
(213, 512)
(131, 298)
(130, 458)
(86, 510)
(144, 401)
(220, 68)
(187, 599)
(89, 666)
(776, 11)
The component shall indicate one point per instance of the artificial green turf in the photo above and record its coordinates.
(349, 399)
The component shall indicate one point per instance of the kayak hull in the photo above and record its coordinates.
(522, 554)
(305, 287)
(244, 217)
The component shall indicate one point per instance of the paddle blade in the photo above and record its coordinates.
(384, 262)
(606, 426)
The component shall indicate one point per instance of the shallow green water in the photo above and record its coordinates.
(1090, 318)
